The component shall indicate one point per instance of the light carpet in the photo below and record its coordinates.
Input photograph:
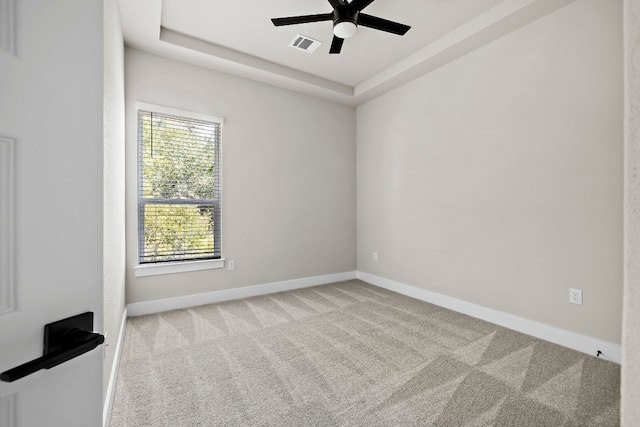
(351, 354)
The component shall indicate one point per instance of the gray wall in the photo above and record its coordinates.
(631, 324)
(497, 179)
(114, 213)
(288, 177)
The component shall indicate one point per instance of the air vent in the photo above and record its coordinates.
(305, 43)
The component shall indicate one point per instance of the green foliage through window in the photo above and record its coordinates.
(179, 200)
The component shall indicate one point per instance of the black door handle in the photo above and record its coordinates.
(63, 340)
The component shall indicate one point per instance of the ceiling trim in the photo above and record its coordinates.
(499, 21)
(254, 66)
(507, 16)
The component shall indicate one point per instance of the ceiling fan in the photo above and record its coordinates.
(346, 17)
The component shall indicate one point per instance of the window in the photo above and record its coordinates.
(178, 186)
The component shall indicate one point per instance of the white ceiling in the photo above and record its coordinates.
(238, 37)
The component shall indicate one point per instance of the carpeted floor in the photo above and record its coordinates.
(351, 354)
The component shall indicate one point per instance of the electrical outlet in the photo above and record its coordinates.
(575, 296)
(231, 265)
(375, 256)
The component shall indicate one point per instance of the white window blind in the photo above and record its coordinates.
(178, 188)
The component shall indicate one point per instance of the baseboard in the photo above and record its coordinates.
(573, 340)
(111, 388)
(157, 306)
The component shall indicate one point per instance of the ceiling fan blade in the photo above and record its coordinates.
(336, 3)
(291, 20)
(336, 45)
(358, 5)
(382, 24)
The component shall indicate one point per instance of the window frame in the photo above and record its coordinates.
(175, 266)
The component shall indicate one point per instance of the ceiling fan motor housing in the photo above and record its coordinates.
(345, 21)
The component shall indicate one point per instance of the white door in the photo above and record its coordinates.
(50, 203)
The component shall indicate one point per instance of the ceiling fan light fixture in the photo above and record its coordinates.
(345, 29)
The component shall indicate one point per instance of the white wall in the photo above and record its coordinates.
(497, 179)
(630, 410)
(288, 177)
(114, 187)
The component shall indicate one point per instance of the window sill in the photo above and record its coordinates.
(177, 267)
